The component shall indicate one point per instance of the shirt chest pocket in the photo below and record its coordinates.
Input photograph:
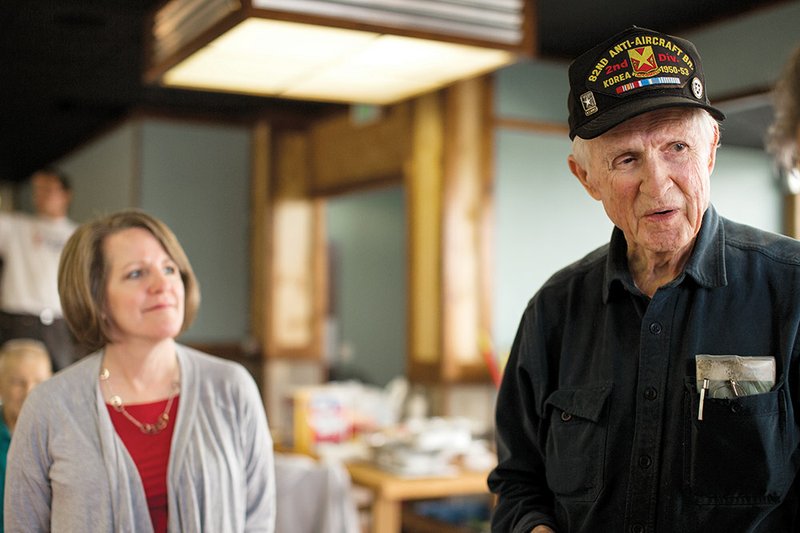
(576, 440)
(737, 453)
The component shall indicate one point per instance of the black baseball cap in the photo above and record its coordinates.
(636, 71)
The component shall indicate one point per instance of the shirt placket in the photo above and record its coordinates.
(651, 382)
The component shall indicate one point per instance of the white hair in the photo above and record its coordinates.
(580, 147)
(18, 348)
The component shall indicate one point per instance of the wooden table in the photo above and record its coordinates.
(390, 491)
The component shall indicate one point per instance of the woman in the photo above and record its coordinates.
(144, 434)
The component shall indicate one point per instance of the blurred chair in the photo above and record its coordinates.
(313, 496)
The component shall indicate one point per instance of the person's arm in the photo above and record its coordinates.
(28, 497)
(259, 461)
(524, 500)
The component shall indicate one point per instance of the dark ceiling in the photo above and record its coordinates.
(71, 68)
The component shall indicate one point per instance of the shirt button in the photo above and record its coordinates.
(650, 393)
(637, 528)
(645, 461)
(655, 328)
(565, 416)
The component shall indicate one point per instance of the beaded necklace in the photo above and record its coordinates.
(119, 406)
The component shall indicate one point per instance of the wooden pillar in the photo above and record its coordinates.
(297, 302)
(791, 215)
(259, 232)
(449, 197)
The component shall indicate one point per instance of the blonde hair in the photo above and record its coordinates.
(83, 274)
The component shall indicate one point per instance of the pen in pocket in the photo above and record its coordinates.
(703, 392)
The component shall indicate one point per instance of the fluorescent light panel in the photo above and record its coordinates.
(300, 61)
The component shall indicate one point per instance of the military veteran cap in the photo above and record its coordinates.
(636, 71)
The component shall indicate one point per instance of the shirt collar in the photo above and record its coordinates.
(706, 265)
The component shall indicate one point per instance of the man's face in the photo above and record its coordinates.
(652, 174)
(49, 196)
(21, 373)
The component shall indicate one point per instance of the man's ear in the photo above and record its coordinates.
(583, 176)
(712, 156)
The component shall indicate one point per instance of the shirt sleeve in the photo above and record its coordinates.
(523, 497)
(28, 496)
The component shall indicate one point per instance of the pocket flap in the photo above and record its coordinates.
(585, 403)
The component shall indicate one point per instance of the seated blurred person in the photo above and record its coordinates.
(30, 247)
(24, 363)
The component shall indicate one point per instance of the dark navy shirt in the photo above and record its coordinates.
(597, 426)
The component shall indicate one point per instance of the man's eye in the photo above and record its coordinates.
(624, 161)
(679, 147)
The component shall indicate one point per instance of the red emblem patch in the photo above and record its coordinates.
(643, 61)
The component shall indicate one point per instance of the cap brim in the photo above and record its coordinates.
(617, 115)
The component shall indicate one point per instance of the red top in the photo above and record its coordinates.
(150, 453)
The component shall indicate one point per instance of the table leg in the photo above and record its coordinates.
(386, 515)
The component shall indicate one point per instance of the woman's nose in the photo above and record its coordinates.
(159, 281)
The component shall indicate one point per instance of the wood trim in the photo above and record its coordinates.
(486, 249)
(154, 71)
(349, 24)
(297, 292)
(424, 203)
(791, 215)
(346, 155)
(531, 125)
(456, 209)
(530, 30)
(463, 162)
(259, 232)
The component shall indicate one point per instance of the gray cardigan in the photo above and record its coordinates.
(68, 471)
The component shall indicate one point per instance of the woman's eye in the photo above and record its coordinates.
(134, 274)
(170, 269)
(679, 147)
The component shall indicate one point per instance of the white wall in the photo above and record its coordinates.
(196, 178)
(367, 236)
(544, 220)
(744, 188)
(103, 173)
(747, 53)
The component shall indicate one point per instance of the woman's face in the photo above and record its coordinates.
(144, 291)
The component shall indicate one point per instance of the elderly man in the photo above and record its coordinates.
(608, 418)
(24, 363)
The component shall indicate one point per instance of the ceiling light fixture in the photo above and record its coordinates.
(352, 51)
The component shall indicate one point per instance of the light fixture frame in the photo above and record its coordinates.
(180, 28)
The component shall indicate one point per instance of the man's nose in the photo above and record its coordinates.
(656, 178)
